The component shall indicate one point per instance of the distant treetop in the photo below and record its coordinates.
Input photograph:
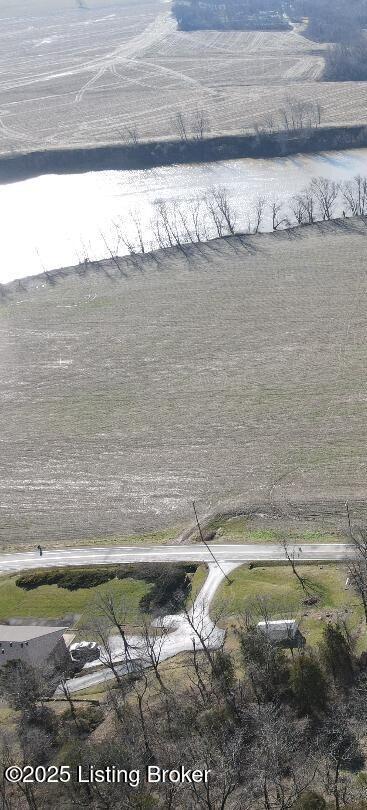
(231, 14)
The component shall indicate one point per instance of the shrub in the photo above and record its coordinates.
(310, 801)
(89, 717)
(70, 578)
(171, 583)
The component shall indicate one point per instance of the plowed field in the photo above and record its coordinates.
(235, 373)
(76, 77)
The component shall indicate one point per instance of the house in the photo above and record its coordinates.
(33, 644)
(284, 632)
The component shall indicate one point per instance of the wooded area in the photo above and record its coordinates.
(231, 14)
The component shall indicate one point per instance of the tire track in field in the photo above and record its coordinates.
(154, 33)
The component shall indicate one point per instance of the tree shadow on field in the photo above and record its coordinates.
(197, 248)
(250, 247)
(234, 244)
(297, 233)
(351, 225)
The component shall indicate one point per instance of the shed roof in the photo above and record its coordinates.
(280, 629)
(16, 632)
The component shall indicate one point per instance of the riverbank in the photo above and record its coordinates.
(71, 219)
(153, 154)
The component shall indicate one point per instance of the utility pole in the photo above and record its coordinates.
(229, 581)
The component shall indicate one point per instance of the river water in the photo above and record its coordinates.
(56, 220)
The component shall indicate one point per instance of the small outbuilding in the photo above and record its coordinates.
(283, 632)
(33, 644)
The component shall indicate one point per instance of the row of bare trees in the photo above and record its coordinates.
(193, 127)
(214, 213)
(294, 116)
(177, 224)
(188, 127)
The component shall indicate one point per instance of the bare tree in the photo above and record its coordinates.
(135, 217)
(291, 557)
(286, 763)
(154, 640)
(168, 226)
(114, 253)
(179, 126)
(230, 766)
(195, 211)
(276, 218)
(124, 238)
(318, 111)
(354, 193)
(308, 202)
(326, 193)
(340, 740)
(259, 213)
(132, 135)
(64, 688)
(216, 217)
(114, 614)
(357, 567)
(200, 124)
(198, 679)
(298, 209)
(187, 234)
(192, 220)
(220, 209)
(297, 115)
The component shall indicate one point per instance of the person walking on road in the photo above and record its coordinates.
(40, 550)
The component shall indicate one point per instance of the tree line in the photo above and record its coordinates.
(214, 214)
(340, 23)
(343, 25)
(231, 14)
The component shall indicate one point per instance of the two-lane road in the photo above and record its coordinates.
(182, 632)
(109, 555)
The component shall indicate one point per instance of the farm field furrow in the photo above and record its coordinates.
(83, 77)
(236, 373)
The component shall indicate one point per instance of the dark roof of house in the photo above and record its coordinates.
(11, 632)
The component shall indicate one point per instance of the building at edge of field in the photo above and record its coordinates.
(284, 632)
(33, 644)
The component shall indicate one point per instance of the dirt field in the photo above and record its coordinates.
(77, 77)
(237, 374)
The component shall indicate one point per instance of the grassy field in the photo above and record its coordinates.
(276, 591)
(254, 529)
(234, 531)
(236, 374)
(85, 77)
(51, 602)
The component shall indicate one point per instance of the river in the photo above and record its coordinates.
(57, 220)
